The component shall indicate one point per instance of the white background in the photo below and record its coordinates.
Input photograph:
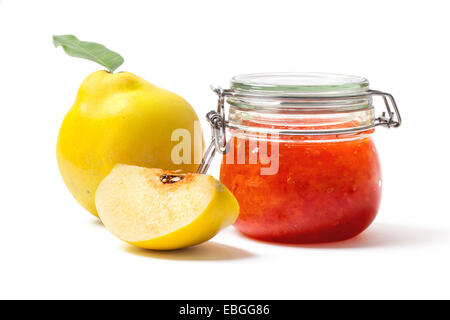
(52, 248)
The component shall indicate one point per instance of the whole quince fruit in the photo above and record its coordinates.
(121, 118)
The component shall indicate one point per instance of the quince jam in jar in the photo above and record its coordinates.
(301, 160)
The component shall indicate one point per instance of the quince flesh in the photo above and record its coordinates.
(163, 210)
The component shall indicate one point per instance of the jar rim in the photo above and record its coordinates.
(300, 84)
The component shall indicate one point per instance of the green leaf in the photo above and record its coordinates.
(89, 50)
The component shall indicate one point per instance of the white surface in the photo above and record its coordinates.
(52, 248)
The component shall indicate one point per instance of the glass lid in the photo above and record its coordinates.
(300, 84)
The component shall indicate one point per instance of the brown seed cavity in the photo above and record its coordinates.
(170, 178)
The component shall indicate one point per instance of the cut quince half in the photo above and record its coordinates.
(163, 210)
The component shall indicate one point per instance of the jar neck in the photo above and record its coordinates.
(299, 104)
(306, 119)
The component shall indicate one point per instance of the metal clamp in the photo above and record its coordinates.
(393, 119)
(218, 132)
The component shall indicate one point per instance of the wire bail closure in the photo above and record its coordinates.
(218, 132)
(394, 120)
(390, 119)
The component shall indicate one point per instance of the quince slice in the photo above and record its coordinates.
(163, 210)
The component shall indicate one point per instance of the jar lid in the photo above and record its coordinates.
(252, 94)
(300, 84)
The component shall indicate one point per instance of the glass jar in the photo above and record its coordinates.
(300, 158)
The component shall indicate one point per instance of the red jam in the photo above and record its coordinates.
(323, 190)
